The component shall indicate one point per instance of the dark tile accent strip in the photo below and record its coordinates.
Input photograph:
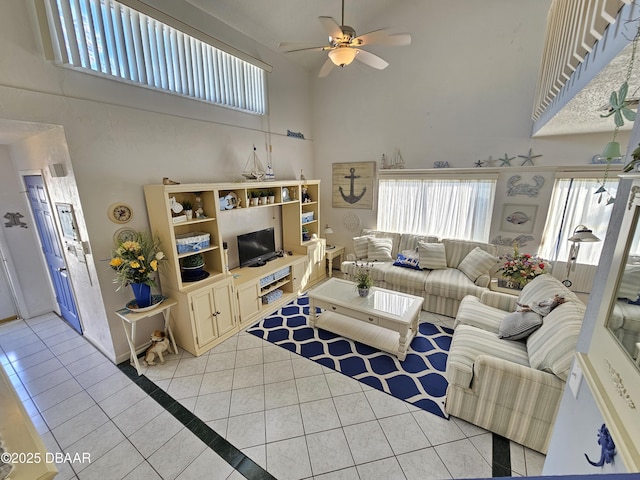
(501, 464)
(230, 454)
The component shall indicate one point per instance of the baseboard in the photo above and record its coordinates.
(9, 319)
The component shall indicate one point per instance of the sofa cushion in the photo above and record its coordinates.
(544, 287)
(409, 241)
(451, 283)
(519, 325)
(630, 283)
(361, 246)
(457, 250)
(405, 279)
(408, 259)
(474, 312)
(379, 249)
(476, 263)
(470, 342)
(432, 256)
(552, 346)
(394, 236)
(378, 269)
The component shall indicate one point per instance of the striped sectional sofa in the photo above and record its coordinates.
(443, 288)
(512, 388)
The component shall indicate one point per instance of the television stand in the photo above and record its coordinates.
(258, 264)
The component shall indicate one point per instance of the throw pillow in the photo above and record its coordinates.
(543, 307)
(379, 249)
(432, 256)
(519, 325)
(361, 246)
(476, 263)
(408, 259)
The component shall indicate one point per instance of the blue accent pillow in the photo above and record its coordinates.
(407, 262)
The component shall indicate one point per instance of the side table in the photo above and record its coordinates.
(132, 318)
(335, 252)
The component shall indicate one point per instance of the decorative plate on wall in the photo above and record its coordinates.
(124, 234)
(120, 213)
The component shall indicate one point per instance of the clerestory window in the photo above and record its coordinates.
(112, 39)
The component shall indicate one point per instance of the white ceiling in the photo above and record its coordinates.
(275, 21)
(271, 22)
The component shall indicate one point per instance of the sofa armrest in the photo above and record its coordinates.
(483, 280)
(503, 301)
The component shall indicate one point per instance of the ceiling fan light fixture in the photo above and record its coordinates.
(343, 56)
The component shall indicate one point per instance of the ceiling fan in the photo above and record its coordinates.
(344, 45)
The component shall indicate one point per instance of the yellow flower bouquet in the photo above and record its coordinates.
(137, 260)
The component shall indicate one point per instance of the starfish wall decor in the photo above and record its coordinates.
(506, 161)
(528, 159)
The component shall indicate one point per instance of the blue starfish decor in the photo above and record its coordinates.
(506, 160)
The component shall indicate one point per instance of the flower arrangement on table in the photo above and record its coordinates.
(521, 268)
(137, 260)
(363, 278)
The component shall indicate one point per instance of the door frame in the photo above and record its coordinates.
(12, 274)
(40, 173)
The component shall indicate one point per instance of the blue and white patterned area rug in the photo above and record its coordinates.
(418, 380)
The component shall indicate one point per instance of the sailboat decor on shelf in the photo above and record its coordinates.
(253, 169)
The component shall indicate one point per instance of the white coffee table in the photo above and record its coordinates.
(385, 319)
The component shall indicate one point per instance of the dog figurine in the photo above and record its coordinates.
(159, 345)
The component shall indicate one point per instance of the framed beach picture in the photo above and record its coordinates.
(518, 218)
(353, 185)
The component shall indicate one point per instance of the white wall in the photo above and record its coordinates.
(461, 92)
(120, 137)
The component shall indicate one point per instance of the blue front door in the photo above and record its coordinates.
(52, 249)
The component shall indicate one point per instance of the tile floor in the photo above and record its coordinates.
(293, 417)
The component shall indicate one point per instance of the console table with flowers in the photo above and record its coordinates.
(519, 269)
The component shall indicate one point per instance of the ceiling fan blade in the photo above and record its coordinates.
(385, 36)
(326, 68)
(331, 27)
(372, 60)
(288, 47)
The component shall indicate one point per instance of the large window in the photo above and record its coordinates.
(574, 202)
(450, 208)
(108, 38)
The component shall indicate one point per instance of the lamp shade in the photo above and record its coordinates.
(328, 230)
(342, 56)
(583, 234)
(611, 150)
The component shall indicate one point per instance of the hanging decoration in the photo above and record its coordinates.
(620, 111)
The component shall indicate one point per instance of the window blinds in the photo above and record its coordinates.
(112, 39)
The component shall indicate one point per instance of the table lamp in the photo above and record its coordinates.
(328, 231)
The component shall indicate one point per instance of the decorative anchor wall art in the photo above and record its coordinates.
(524, 188)
(14, 220)
(353, 185)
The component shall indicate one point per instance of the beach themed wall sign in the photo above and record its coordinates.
(353, 185)
(518, 218)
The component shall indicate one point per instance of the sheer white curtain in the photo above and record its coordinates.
(448, 208)
(574, 203)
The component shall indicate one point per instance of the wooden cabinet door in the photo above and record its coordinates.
(224, 311)
(248, 300)
(316, 254)
(297, 276)
(202, 309)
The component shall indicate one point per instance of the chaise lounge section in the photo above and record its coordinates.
(447, 272)
(513, 386)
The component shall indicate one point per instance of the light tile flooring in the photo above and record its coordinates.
(295, 418)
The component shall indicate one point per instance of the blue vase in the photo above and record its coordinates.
(142, 294)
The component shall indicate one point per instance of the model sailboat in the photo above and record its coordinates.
(253, 170)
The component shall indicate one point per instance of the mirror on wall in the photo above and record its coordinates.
(624, 318)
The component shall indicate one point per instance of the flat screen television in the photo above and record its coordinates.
(257, 248)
